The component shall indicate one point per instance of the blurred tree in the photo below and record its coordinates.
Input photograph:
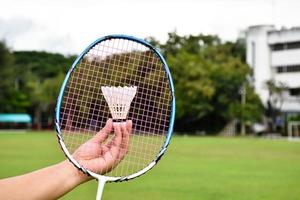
(11, 99)
(275, 101)
(193, 86)
(39, 76)
(208, 75)
(153, 41)
(42, 64)
(30, 81)
(43, 96)
(251, 111)
(238, 48)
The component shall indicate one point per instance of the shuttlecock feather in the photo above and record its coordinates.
(119, 100)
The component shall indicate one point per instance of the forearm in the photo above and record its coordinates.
(45, 184)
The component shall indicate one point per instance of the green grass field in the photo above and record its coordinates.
(208, 168)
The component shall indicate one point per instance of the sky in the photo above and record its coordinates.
(68, 26)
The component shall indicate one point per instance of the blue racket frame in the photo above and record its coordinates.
(61, 94)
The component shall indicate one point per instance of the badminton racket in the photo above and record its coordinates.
(116, 103)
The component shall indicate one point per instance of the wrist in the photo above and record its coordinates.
(75, 174)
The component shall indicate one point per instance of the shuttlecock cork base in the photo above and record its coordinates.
(119, 100)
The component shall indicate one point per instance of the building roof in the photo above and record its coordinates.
(284, 35)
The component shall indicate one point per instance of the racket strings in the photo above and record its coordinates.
(119, 62)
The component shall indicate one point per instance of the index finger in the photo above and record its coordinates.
(103, 133)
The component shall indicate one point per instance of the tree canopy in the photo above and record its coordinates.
(208, 75)
(30, 81)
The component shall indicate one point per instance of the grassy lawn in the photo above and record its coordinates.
(208, 168)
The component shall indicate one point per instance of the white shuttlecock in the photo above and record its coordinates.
(119, 100)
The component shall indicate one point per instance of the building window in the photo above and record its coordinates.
(295, 92)
(288, 68)
(285, 46)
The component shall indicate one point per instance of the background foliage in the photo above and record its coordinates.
(208, 76)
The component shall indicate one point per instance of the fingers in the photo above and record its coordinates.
(115, 151)
(104, 132)
(116, 141)
(118, 147)
(129, 125)
(107, 161)
(126, 129)
(121, 129)
(112, 149)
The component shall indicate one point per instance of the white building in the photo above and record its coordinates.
(275, 54)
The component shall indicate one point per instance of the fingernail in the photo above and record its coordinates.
(116, 123)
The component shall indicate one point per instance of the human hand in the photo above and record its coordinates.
(95, 154)
(100, 157)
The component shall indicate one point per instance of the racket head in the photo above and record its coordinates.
(61, 133)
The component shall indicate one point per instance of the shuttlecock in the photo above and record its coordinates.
(119, 100)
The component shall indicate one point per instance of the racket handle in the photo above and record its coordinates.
(101, 183)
